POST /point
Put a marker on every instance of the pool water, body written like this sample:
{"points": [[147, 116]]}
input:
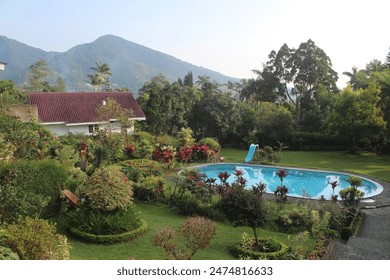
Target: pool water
{"points": [[300, 182]]}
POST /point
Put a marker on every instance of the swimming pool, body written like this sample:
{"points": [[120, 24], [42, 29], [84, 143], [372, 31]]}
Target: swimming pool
{"points": [[300, 182]]}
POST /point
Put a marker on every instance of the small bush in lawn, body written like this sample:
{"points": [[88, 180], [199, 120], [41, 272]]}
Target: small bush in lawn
{"points": [[196, 232], [35, 239]]}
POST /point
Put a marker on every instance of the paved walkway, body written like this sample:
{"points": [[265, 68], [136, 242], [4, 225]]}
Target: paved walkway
{"points": [[373, 240]]}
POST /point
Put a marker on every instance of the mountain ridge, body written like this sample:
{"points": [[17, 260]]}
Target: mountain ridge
{"points": [[131, 64]]}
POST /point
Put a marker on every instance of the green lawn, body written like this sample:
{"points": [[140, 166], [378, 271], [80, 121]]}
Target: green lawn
{"points": [[364, 163], [159, 216]]}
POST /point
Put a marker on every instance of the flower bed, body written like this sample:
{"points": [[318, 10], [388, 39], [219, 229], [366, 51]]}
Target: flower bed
{"points": [[275, 251]]}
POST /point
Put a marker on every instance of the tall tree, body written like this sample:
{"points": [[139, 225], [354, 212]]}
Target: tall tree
{"points": [[356, 117], [101, 77], [36, 77]]}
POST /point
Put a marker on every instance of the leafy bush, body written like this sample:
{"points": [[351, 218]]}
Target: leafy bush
{"points": [[35, 239], [36, 183], [30, 140], [352, 195], [190, 206], [267, 154], [107, 190], [7, 254], [294, 220], [150, 189], [240, 252], [211, 143], [104, 223]]}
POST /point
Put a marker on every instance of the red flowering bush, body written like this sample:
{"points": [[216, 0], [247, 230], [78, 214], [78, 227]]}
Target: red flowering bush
{"points": [[184, 155], [165, 154], [129, 151]]}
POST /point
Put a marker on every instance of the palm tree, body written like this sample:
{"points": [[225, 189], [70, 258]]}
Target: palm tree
{"points": [[100, 78]]}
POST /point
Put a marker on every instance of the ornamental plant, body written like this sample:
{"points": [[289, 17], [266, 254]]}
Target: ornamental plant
{"points": [[352, 195], [107, 190], [281, 191], [35, 239], [129, 151], [196, 234], [165, 154]]}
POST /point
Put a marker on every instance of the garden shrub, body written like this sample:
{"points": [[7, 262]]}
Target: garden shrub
{"points": [[273, 250], [294, 220], [35, 239], [75, 179], [196, 233], [167, 140], [150, 189], [36, 183], [98, 222], [190, 206], [267, 155], [30, 140], [352, 195], [7, 254], [211, 143], [107, 190]]}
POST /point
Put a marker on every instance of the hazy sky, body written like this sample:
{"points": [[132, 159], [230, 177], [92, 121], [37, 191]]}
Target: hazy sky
{"points": [[231, 37]]}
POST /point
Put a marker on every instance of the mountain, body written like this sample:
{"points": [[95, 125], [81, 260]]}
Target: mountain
{"points": [[131, 64]]}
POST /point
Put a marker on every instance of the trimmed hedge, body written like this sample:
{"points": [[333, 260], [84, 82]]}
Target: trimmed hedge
{"points": [[238, 251], [110, 238]]}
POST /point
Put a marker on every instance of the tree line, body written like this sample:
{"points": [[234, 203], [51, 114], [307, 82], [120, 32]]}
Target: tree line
{"points": [[293, 99]]}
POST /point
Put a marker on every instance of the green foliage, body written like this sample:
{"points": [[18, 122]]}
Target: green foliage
{"points": [[272, 250], [357, 118], [243, 208], [35, 239], [8, 94], [111, 238], [294, 220], [107, 190], [189, 206], [100, 78], [185, 137], [31, 188], [211, 143], [29, 140], [104, 223], [267, 155], [150, 189], [7, 254]]}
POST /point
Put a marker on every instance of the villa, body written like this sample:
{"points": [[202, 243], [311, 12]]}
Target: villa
{"points": [[75, 112]]}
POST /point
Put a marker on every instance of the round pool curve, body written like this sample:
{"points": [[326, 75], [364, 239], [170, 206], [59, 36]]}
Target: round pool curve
{"points": [[305, 183]]}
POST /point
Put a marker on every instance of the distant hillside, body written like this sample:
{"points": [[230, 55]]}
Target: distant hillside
{"points": [[131, 64]]}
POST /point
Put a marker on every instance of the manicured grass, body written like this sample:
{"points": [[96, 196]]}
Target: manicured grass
{"points": [[365, 163], [159, 216]]}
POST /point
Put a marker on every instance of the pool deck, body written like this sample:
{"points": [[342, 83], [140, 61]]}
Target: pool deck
{"points": [[373, 239]]}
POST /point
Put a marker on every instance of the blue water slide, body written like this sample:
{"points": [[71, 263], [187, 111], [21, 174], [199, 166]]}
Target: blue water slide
{"points": [[251, 152]]}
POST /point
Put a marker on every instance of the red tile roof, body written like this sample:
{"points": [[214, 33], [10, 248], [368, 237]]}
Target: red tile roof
{"points": [[79, 107]]}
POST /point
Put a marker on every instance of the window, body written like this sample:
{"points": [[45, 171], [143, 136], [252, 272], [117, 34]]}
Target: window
{"points": [[93, 128]]}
